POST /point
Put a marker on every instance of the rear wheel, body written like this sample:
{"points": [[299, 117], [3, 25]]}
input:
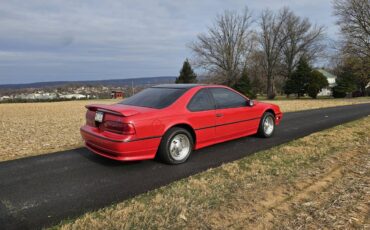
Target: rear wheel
{"points": [[176, 146], [267, 125]]}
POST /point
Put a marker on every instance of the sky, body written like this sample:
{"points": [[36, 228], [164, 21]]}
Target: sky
{"points": [[52, 40]]}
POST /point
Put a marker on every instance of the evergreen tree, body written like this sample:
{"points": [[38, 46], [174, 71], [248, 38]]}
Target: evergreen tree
{"points": [[187, 74], [345, 84], [298, 80], [289, 87], [359, 70], [316, 82], [243, 85]]}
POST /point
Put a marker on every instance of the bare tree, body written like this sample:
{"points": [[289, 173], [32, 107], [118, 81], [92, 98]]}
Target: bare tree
{"points": [[354, 21], [353, 17], [302, 39], [223, 50], [256, 71], [271, 40]]}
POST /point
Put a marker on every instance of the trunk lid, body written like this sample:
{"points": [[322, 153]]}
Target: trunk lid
{"points": [[112, 118]]}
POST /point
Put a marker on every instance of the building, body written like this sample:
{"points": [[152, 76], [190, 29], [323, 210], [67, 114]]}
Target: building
{"points": [[4, 98], [37, 96], [331, 80], [73, 96], [116, 94]]}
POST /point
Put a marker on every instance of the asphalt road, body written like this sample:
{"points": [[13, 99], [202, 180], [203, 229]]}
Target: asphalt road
{"points": [[41, 191]]}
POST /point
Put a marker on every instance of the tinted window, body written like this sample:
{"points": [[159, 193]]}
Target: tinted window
{"points": [[225, 98], [154, 97], [201, 102]]}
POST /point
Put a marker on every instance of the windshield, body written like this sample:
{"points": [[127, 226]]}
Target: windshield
{"points": [[157, 98]]}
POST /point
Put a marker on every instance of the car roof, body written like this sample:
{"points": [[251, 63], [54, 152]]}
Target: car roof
{"points": [[178, 86]]}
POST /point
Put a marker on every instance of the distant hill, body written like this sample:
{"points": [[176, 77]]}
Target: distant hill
{"points": [[111, 82]]}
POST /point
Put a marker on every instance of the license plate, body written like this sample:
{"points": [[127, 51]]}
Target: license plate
{"points": [[99, 116]]}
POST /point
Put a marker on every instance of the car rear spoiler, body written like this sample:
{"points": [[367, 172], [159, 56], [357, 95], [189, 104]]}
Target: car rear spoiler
{"points": [[112, 109]]}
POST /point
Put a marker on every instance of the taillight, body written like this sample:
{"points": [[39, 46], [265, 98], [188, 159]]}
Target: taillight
{"points": [[90, 118], [119, 127]]}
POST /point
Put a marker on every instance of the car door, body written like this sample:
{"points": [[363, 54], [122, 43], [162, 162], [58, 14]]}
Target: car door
{"points": [[202, 117], [234, 118]]}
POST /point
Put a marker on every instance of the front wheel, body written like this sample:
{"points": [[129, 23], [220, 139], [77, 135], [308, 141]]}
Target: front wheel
{"points": [[176, 146], [267, 125]]}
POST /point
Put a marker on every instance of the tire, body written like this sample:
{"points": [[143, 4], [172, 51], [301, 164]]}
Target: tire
{"points": [[267, 130], [181, 142]]}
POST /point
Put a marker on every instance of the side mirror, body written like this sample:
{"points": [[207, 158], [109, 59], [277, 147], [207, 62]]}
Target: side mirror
{"points": [[250, 103]]}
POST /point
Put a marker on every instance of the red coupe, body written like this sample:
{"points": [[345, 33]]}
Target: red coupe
{"points": [[173, 120]]}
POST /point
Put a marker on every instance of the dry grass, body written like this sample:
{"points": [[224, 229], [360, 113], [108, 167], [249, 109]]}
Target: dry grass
{"points": [[38, 128], [319, 181]]}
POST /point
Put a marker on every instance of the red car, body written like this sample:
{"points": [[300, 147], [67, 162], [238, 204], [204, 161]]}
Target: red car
{"points": [[173, 120]]}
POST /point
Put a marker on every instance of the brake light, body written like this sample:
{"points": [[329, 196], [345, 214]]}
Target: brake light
{"points": [[90, 118], [119, 127]]}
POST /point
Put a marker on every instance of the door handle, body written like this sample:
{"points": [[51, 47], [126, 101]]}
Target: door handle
{"points": [[219, 115]]}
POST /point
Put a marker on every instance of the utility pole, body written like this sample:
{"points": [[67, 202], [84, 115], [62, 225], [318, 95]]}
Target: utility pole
{"points": [[132, 87]]}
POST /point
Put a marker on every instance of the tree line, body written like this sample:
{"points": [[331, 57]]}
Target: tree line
{"points": [[273, 53]]}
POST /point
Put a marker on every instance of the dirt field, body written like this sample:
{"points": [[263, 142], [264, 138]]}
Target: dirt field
{"points": [[321, 181], [38, 128]]}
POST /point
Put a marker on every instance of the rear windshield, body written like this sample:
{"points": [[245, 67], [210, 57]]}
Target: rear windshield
{"points": [[157, 98]]}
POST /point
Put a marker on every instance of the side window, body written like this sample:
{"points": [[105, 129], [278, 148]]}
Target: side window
{"points": [[225, 98], [201, 101]]}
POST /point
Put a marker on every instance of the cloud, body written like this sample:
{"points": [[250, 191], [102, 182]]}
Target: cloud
{"points": [[43, 40]]}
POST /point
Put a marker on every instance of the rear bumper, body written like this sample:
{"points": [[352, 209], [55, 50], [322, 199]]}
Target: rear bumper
{"points": [[119, 149]]}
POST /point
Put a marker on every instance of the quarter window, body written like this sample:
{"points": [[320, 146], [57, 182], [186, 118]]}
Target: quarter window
{"points": [[225, 98], [201, 101]]}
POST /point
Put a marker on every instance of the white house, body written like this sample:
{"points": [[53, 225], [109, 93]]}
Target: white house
{"points": [[331, 80]]}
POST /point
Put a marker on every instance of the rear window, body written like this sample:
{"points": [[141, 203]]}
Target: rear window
{"points": [[157, 98]]}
